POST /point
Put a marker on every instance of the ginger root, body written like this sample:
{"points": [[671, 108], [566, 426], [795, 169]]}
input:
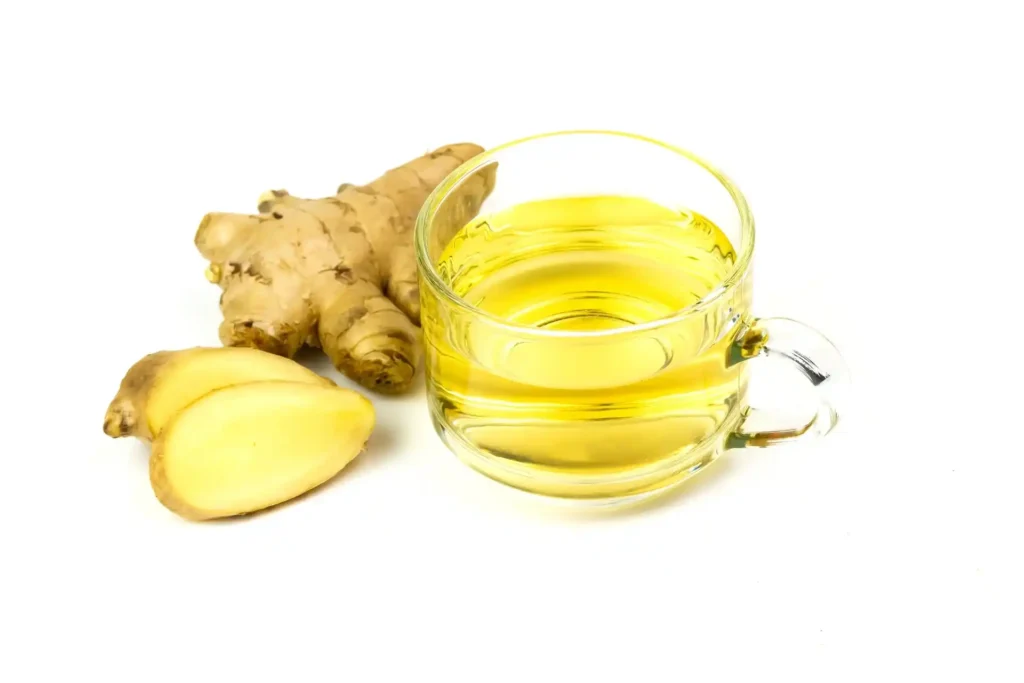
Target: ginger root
{"points": [[157, 387], [339, 272], [251, 446]]}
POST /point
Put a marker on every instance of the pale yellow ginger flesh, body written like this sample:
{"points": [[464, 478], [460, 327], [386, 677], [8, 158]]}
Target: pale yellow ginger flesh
{"points": [[251, 446], [338, 273], [157, 387]]}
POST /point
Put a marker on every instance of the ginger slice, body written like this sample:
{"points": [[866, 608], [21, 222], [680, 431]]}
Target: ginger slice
{"points": [[251, 446], [157, 387]]}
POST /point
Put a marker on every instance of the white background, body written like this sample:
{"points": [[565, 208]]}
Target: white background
{"points": [[880, 147]]}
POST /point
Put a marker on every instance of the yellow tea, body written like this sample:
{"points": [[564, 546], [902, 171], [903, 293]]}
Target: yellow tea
{"points": [[534, 389]]}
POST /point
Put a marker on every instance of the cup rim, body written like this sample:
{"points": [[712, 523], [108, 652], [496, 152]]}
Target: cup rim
{"points": [[429, 272]]}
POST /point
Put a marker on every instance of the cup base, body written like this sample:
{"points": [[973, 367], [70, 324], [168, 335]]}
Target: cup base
{"points": [[575, 490]]}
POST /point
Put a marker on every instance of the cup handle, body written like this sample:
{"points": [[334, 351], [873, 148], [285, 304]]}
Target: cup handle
{"points": [[817, 359]]}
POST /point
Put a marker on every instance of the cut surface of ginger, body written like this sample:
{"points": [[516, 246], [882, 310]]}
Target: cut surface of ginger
{"points": [[247, 447], [206, 370]]}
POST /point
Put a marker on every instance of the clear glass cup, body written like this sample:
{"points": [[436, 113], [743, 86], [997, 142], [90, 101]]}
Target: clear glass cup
{"points": [[616, 413]]}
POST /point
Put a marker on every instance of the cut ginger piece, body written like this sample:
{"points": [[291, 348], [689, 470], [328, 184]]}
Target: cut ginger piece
{"points": [[157, 387], [251, 446]]}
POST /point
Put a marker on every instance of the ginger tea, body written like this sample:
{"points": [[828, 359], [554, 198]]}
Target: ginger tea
{"points": [[572, 377]]}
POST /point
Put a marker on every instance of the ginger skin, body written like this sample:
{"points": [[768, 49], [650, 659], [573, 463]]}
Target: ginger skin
{"points": [[339, 272]]}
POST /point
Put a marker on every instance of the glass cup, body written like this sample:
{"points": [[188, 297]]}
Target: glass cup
{"points": [[602, 412]]}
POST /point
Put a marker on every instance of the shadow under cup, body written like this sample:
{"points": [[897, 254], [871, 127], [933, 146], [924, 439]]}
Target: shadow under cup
{"points": [[595, 412]]}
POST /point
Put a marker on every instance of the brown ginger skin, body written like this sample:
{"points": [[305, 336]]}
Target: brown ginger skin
{"points": [[338, 272], [126, 414]]}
